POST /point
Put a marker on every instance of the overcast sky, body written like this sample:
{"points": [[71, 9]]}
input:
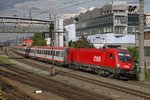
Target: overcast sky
{"points": [[40, 9]]}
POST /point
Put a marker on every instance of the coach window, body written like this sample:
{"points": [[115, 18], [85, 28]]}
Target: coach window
{"points": [[51, 52], [62, 54], [111, 56], [46, 52], [54, 53], [58, 53]]}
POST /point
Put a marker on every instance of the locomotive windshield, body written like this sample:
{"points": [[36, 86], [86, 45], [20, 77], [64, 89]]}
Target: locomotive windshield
{"points": [[124, 57]]}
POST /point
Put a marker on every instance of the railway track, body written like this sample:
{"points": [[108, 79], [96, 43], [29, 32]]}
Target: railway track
{"points": [[134, 92], [13, 93], [49, 84]]}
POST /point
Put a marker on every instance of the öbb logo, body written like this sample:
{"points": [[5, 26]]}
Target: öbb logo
{"points": [[97, 58]]}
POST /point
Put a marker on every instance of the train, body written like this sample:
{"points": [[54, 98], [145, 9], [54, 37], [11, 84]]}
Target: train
{"points": [[108, 62]]}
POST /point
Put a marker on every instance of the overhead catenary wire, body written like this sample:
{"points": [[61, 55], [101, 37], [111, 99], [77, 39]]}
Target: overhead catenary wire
{"points": [[59, 5], [67, 7], [77, 4], [70, 6]]}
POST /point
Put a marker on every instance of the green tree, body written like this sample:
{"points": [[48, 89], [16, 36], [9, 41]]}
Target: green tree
{"points": [[83, 42], [135, 54], [38, 40]]}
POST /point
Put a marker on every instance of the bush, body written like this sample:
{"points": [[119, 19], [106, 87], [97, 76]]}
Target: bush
{"points": [[83, 42], [135, 56]]}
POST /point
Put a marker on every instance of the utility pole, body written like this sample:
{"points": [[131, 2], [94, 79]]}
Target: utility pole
{"points": [[51, 31], [141, 41]]}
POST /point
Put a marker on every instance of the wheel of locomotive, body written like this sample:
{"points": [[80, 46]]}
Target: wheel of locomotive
{"points": [[76, 67], [106, 73], [70, 66], [94, 70]]}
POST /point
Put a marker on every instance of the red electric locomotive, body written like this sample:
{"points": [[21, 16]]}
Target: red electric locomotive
{"points": [[110, 61]]}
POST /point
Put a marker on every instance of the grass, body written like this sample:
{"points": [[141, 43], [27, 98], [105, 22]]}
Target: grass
{"points": [[1, 96], [4, 59], [147, 77]]}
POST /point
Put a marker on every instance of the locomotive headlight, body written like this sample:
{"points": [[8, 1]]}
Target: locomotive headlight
{"points": [[126, 66], [118, 65]]}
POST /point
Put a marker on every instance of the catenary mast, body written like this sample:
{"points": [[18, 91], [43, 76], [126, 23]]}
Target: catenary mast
{"points": [[141, 41]]}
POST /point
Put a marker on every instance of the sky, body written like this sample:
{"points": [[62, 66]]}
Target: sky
{"points": [[41, 9]]}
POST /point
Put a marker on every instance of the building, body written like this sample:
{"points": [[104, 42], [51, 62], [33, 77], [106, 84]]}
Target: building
{"points": [[27, 42], [117, 18], [146, 40], [71, 32]]}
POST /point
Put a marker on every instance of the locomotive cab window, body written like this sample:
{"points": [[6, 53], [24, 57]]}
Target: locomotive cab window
{"points": [[124, 57], [111, 56]]}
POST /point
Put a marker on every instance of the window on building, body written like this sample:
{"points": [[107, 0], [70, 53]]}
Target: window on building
{"points": [[147, 35]]}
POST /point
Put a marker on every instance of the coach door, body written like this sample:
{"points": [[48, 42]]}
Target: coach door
{"points": [[27, 52]]}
